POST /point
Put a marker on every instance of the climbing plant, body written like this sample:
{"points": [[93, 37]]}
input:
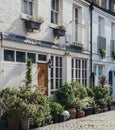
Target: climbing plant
{"points": [[102, 53], [28, 76]]}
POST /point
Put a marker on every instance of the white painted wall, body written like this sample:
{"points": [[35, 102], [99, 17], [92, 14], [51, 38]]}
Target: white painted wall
{"points": [[11, 22], [108, 62]]}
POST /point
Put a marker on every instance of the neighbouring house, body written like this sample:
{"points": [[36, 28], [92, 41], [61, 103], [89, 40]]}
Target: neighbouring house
{"points": [[29, 29], [103, 39]]}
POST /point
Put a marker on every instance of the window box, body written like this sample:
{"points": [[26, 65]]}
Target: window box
{"points": [[59, 32], [32, 25]]}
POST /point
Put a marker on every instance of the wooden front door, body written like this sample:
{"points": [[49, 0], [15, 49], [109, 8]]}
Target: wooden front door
{"points": [[43, 76]]}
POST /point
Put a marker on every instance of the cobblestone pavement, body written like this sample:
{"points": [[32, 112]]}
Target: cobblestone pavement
{"points": [[102, 121]]}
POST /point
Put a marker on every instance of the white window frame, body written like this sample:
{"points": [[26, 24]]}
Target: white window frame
{"points": [[101, 26], [78, 71], [55, 11], [53, 68], [28, 7]]}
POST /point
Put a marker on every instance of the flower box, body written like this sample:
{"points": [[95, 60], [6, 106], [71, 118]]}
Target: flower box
{"points": [[32, 25], [59, 32]]}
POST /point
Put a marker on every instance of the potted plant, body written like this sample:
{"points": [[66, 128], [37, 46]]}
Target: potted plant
{"points": [[113, 55], [11, 103], [102, 53], [34, 22], [56, 111], [80, 113], [59, 30]]}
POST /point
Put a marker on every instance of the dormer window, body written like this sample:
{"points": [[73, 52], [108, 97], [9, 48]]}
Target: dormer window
{"points": [[27, 7]]}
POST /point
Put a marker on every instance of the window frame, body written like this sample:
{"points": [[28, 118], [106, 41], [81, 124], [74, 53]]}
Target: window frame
{"points": [[56, 78], [78, 69], [10, 53], [28, 11], [55, 12]]}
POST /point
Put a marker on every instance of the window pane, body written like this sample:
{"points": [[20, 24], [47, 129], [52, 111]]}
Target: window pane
{"points": [[52, 17], [57, 61], [42, 57], [60, 61], [60, 73], [53, 4], [8, 55], [72, 63], [56, 18], [30, 8], [51, 72], [20, 56], [56, 72], [57, 5], [25, 7], [51, 83], [31, 56]]}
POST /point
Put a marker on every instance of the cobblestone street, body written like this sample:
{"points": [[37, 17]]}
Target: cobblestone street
{"points": [[102, 121]]}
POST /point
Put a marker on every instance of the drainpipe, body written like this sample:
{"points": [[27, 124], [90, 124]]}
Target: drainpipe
{"points": [[91, 74], [1, 38]]}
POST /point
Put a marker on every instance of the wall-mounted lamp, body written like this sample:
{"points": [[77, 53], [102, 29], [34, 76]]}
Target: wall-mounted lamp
{"points": [[50, 63]]}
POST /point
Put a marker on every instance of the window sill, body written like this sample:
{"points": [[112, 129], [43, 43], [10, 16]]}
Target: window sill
{"points": [[25, 16], [52, 25]]}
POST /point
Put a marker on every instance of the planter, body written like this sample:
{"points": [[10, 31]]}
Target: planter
{"points": [[13, 123], [72, 112], [89, 111], [80, 114], [105, 109], [25, 124], [58, 118], [3, 123], [59, 32], [32, 25], [109, 107]]}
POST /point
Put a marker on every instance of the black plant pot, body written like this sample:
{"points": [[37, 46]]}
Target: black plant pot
{"points": [[109, 107], [59, 32], [32, 25], [3, 123], [57, 118], [89, 111]]}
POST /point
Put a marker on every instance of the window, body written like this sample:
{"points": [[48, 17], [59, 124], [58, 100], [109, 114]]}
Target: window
{"points": [[98, 70], [54, 11], [42, 57], [76, 24], [31, 56], [20, 56], [113, 5], [101, 26], [56, 72], [27, 7], [79, 71], [8, 55]]}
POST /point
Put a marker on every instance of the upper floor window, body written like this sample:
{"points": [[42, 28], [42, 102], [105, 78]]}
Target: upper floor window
{"points": [[77, 24], [101, 26], [27, 7], [113, 5], [54, 11]]}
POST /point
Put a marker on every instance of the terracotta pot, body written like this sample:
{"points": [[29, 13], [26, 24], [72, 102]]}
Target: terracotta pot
{"points": [[13, 123], [80, 114], [72, 112], [105, 109], [76, 105]]}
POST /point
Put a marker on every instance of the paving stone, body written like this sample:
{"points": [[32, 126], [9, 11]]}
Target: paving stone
{"points": [[102, 121]]}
